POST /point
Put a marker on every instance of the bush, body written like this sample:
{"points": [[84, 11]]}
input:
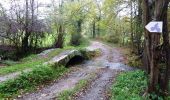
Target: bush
{"points": [[76, 39], [129, 86], [29, 80], [112, 38]]}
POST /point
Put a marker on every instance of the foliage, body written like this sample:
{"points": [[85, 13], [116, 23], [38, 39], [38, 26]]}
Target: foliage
{"points": [[25, 29], [129, 86], [134, 61], [67, 94], [29, 80]]}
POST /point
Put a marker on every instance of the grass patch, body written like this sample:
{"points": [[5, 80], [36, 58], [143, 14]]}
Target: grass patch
{"points": [[34, 60], [129, 86], [68, 94], [30, 80], [19, 67], [8, 62]]}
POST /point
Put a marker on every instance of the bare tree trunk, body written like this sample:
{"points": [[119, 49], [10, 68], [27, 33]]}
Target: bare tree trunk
{"points": [[94, 29], [131, 25], [60, 39], [98, 27], [76, 37], [146, 20], [26, 37], [154, 63], [166, 48]]}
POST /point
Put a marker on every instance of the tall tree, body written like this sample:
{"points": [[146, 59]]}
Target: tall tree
{"points": [[155, 10], [61, 28]]}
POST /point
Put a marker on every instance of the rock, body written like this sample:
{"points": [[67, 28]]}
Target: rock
{"points": [[19, 96], [43, 95], [46, 52]]}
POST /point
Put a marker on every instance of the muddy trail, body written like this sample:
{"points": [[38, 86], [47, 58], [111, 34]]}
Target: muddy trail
{"points": [[106, 67]]}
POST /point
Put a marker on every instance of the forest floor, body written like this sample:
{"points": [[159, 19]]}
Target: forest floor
{"points": [[103, 69]]}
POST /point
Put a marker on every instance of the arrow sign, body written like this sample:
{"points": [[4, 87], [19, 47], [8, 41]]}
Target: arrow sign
{"points": [[155, 27]]}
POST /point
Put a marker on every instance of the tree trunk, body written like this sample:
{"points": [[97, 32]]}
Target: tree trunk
{"points": [[157, 11], [60, 38], [94, 29], [166, 48], [147, 43], [76, 37], [154, 63], [131, 25], [25, 45], [98, 28]]}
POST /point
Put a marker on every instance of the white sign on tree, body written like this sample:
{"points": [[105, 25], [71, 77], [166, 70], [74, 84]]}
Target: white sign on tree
{"points": [[155, 27]]}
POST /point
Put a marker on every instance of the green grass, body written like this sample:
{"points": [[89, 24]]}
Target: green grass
{"points": [[8, 62], [30, 80], [33, 61], [19, 67], [129, 86], [68, 94]]}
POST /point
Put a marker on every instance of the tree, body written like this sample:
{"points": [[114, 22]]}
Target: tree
{"points": [[60, 38], [156, 10], [77, 16], [22, 26]]}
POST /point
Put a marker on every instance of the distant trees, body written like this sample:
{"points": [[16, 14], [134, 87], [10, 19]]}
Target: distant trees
{"points": [[77, 21], [21, 25]]}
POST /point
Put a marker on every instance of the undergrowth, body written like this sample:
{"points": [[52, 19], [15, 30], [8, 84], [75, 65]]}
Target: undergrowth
{"points": [[129, 86]]}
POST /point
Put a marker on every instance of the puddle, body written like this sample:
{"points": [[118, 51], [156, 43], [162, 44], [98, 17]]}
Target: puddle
{"points": [[119, 66], [111, 65]]}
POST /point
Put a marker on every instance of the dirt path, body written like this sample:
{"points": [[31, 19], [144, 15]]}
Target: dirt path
{"points": [[106, 66], [111, 63], [98, 89]]}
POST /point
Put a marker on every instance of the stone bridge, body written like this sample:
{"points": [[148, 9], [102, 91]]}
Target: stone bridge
{"points": [[70, 56]]}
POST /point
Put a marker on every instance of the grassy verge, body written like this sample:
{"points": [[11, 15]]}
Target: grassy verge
{"points": [[19, 67], [30, 80], [129, 86], [68, 94], [35, 60]]}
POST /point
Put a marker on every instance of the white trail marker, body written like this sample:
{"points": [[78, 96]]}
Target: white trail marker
{"points": [[155, 27]]}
